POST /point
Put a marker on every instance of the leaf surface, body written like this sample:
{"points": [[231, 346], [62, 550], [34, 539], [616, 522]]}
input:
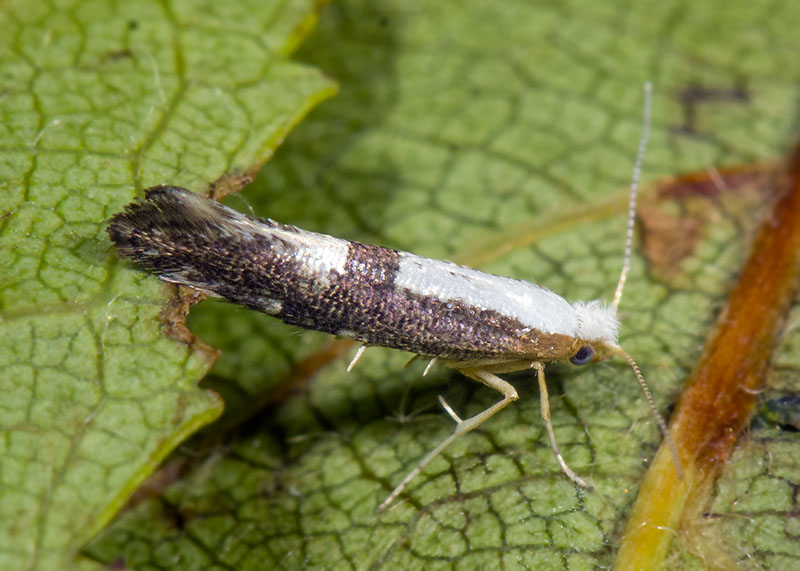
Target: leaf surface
{"points": [[99, 100], [499, 135]]}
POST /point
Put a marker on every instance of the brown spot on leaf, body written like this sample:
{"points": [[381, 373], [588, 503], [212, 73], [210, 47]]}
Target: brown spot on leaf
{"points": [[173, 320], [230, 183], [673, 223], [667, 238], [692, 97]]}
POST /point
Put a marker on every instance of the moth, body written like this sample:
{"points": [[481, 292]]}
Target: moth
{"points": [[480, 324]]}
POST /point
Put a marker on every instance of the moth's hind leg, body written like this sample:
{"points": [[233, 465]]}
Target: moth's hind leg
{"points": [[462, 425]]}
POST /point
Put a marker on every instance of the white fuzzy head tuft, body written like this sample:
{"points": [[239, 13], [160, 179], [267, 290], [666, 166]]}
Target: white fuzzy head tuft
{"points": [[597, 322]]}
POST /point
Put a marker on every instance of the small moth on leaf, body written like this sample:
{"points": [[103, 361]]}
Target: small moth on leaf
{"points": [[480, 324]]}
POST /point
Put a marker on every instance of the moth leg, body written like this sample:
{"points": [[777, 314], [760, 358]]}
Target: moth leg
{"points": [[462, 426], [357, 357], [428, 367], [545, 406], [431, 363], [449, 410]]}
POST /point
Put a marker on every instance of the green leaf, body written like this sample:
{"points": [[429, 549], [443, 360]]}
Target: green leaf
{"points": [[499, 134], [99, 100]]}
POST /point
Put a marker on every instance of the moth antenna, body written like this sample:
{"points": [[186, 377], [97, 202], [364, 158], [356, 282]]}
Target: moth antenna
{"points": [[659, 419], [637, 170]]}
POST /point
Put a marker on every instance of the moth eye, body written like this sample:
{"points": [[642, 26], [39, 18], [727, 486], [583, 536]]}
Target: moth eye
{"points": [[583, 356]]}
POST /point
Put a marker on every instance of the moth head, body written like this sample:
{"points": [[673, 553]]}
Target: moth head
{"points": [[584, 355], [597, 327], [597, 331]]}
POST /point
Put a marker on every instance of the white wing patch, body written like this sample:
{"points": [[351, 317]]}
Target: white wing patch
{"points": [[316, 255], [532, 305]]}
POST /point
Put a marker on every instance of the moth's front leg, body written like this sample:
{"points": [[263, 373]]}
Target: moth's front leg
{"points": [[545, 409]]}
